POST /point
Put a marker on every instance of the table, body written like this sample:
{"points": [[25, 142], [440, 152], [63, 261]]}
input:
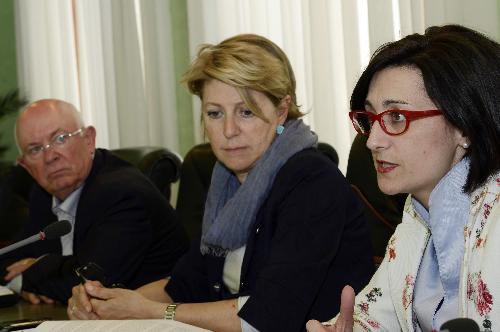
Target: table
{"points": [[23, 310]]}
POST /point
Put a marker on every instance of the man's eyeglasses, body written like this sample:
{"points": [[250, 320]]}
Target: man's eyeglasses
{"points": [[392, 122], [57, 142]]}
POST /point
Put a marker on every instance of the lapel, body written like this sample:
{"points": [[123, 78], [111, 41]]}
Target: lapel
{"points": [[40, 216], [246, 259], [258, 229], [215, 272], [85, 213], [408, 244]]}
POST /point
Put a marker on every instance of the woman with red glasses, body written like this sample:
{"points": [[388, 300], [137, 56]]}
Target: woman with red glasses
{"points": [[430, 106]]}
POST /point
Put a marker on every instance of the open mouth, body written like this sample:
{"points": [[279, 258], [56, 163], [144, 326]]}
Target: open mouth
{"points": [[385, 166]]}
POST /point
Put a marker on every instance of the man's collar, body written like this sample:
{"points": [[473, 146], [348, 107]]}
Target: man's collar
{"points": [[70, 203]]}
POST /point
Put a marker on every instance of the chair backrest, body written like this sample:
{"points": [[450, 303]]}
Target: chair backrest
{"points": [[196, 173], [160, 165], [329, 151], [384, 212]]}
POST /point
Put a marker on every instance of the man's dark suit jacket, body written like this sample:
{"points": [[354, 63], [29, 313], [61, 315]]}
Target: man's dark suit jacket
{"points": [[309, 240], [123, 224]]}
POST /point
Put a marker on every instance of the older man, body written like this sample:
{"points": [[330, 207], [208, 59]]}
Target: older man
{"points": [[122, 225]]}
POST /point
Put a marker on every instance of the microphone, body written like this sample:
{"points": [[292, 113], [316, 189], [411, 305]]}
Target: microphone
{"points": [[50, 232], [460, 325]]}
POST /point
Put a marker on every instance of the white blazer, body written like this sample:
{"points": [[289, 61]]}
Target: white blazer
{"points": [[386, 303]]}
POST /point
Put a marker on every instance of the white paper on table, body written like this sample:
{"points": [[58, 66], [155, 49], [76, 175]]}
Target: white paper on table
{"points": [[5, 291], [143, 325]]}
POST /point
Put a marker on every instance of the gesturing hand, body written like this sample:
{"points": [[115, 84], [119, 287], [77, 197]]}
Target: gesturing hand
{"points": [[345, 321]]}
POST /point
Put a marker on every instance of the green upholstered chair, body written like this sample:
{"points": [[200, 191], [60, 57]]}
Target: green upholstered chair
{"points": [[160, 165]]}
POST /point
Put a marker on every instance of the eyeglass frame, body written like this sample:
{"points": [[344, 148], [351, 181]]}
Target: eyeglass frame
{"points": [[53, 142], [409, 117]]}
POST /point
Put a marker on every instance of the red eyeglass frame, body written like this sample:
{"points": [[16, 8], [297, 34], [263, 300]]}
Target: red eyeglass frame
{"points": [[409, 116]]}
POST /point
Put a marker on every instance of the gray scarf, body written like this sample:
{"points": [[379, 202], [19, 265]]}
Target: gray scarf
{"points": [[231, 208]]}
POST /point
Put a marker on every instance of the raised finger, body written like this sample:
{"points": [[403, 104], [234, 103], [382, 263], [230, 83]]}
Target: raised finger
{"points": [[345, 319]]}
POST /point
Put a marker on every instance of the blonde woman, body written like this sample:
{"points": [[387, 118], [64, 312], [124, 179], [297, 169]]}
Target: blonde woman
{"points": [[282, 231]]}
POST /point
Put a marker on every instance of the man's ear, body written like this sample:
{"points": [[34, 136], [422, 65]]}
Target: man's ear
{"points": [[90, 134], [21, 162]]}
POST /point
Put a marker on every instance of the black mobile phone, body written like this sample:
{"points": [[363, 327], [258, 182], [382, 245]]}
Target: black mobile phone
{"points": [[92, 271], [21, 324]]}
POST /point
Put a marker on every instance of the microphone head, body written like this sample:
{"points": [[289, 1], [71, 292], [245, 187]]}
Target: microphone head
{"points": [[57, 229], [460, 325]]}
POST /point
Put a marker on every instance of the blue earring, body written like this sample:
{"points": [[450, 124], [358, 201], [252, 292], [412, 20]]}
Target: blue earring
{"points": [[280, 129]]}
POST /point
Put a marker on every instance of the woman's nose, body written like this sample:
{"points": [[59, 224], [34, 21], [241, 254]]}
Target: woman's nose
{"points": [[230, 127], [377, 139]]}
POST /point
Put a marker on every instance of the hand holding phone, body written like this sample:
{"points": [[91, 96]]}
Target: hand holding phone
{"points": [[92, 271]]}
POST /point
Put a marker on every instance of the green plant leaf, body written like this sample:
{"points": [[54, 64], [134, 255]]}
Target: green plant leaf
{"points": [[11, 102]]}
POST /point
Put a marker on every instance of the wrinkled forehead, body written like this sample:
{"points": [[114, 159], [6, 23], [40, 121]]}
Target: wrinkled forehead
{"points": [[39, 122]]}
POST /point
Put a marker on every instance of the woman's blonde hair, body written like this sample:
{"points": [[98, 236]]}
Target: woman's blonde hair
{"points": [[246, 62]]}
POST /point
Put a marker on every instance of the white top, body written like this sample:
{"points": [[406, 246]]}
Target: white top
{"points": [[231, 276]]}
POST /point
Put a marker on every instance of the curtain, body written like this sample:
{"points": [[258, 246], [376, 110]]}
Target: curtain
{"points": [[119, 61], [329, 42], [113, 59]]}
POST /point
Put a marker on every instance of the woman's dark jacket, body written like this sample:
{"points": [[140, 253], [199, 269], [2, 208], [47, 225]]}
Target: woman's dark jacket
{"points": [[310, 239]]}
